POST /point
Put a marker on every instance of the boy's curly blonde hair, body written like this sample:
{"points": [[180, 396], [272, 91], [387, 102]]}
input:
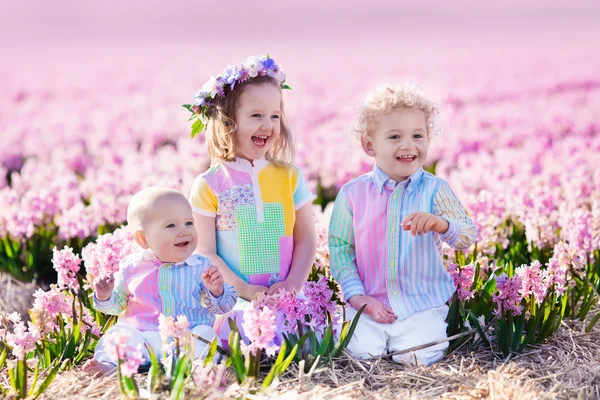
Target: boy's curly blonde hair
{"points": [[221, 127], [390, 97]]}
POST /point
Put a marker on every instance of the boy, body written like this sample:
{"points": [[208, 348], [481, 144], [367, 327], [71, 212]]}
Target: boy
{"points": [[387, 228], [164, 278]]}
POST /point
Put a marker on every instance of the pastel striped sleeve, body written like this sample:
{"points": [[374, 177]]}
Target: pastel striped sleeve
{"points": [[342, 253], [117, 302], [219, 305], [462, 231], [202, 198], [302, 194]]}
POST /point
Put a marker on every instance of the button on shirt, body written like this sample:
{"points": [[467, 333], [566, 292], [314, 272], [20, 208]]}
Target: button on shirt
{"points": [[372, 255], [145, 287]]}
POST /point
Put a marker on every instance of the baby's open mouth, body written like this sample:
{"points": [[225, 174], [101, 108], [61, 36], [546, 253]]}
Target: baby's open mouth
{"points": [[260, 140], [182, 244]]}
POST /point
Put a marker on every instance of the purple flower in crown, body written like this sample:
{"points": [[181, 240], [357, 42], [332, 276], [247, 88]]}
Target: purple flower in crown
{"points": [[230, 75], [268, 63], [251, 68]]}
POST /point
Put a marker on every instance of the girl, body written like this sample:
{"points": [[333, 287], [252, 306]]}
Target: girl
{"points": [[252, 208]]}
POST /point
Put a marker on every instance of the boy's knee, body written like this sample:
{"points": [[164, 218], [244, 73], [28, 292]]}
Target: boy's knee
{"points": [[364, 348]]}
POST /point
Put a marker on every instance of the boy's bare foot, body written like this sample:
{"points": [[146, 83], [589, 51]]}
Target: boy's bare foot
{"points": [[95, 367]]}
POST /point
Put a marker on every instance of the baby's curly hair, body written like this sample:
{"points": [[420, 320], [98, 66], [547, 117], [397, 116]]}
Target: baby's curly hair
{"points": [[390, 97]]}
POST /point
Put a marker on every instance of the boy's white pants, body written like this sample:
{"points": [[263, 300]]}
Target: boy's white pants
{"points": [[372, 339], [152, 338]]}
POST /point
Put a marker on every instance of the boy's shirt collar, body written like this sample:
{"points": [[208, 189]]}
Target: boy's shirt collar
{"points": [[381, 179], [148, 255]]}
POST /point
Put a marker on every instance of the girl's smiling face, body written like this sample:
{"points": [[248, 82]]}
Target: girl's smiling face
{"points": [[258, 120]]}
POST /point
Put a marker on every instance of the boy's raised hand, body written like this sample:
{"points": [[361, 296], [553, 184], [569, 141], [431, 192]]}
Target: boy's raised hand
{"points": [[422, 222], [103, 287], [376, 309], [213, 280]]}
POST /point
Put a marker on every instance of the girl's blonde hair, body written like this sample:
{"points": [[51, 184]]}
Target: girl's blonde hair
{"points": [[390, 97], [221, 127]]}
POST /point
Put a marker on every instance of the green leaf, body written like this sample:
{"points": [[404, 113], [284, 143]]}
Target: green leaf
{"points": [[3, 357], [197, 127], [327, 337], [280, 357], [347, 333], [211, 352], [475, 323], [237, 359], [313, 344], [22, 377], [82, 352], [155, 372], [518, 333], [502, 335], [286, 86], [49, 378], [232, 325], [35, 378], [182, 371], [188, 107], [593, 322]]}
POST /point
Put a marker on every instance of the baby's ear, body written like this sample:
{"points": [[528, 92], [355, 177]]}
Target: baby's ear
{"points": [[140, 239], [367, 145]]}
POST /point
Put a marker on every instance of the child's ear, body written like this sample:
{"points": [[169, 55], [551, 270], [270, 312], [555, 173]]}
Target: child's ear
{"points": [[140, 239], [367, 145]]}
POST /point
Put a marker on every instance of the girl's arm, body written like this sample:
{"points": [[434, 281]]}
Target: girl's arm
{"points": [[207, 246], [305, 250]]}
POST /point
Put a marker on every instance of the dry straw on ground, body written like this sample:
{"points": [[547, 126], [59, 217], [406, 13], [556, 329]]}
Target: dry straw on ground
{"points": [[565, 367]]}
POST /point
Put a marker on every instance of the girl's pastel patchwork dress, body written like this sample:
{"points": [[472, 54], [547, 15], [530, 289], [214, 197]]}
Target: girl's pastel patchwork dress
{"points": [[255, 210]]}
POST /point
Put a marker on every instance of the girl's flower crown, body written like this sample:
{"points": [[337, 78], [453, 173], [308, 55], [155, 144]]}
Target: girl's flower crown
{"points": [[221, 85]]}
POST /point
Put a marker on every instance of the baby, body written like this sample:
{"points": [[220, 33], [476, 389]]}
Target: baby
{"points": [[165, 277]]}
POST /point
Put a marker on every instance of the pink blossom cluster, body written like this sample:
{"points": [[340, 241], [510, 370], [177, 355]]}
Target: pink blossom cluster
{"points": [[118, 347], [67, 264], [534, 281], [102, 257], [174, 332], [208, 378], [310, 307], [260, 326], [22, 339], [463, 279], [56, 303], [76, 148], [508, 296]]}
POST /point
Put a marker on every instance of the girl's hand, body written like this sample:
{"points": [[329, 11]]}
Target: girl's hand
{"points": [[423, 222], [253, 290], [103, 287], [213, 280], [374, 308], [287, 285]]}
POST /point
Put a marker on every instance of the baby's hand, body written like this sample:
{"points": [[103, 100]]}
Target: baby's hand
{"points": [[213, 280], [374, 308], [423, 222], [103, 287]]}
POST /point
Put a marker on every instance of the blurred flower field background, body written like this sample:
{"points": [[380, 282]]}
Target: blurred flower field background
{"points": [[90, 113]]}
